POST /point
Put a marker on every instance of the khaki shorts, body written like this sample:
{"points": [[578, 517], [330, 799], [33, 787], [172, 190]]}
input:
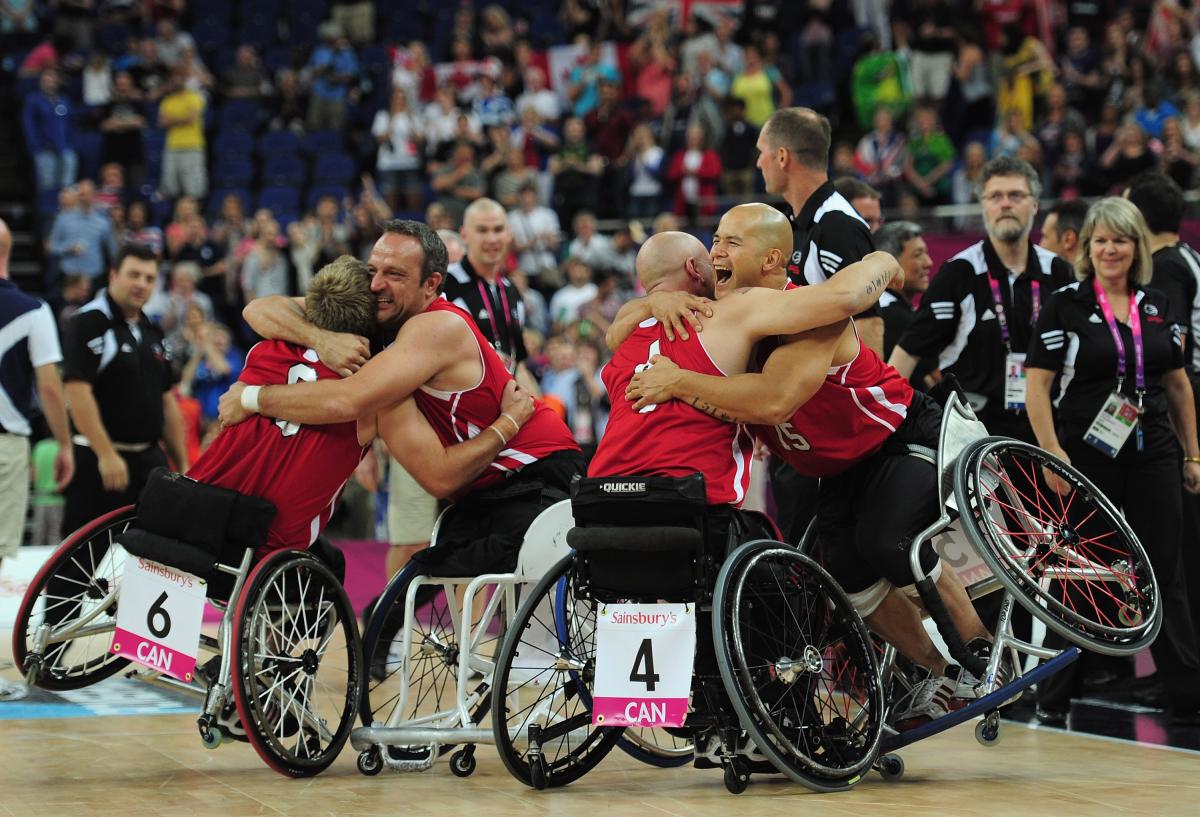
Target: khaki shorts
{"points": [[411, 511], [14, 491]]}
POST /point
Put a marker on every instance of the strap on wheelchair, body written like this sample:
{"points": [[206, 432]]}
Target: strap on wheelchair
{"points": [[650, 539], [953, 638]]}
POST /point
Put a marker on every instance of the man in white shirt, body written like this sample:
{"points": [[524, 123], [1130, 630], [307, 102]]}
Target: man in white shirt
{"points": [[536, 234], [564, 306]]}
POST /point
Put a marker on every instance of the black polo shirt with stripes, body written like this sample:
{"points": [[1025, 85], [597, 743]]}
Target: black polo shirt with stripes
{"points": [[1177, 276], [956, 321]]}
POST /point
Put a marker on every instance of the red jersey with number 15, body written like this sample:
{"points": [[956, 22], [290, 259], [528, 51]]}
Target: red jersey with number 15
{"points": [[672, 439], [300, 468], [461, 415], [858, 407]]}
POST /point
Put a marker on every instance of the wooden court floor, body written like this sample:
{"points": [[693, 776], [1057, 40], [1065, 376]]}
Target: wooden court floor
{"points": [[154, 766]]}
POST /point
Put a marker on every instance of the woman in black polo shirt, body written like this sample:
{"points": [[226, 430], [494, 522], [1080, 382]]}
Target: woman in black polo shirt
{"points": [[1122, 385]]}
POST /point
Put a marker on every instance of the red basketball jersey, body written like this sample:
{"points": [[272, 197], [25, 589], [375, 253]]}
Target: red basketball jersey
{"points": [[860, 405], [672, 439], [458, 416], [300, 468]]}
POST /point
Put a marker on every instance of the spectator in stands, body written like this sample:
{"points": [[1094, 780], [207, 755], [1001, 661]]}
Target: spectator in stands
{"points": [[97, 80], [73, 22], [877, 79], [933, 27], [17, 18], [864, 198], [82, 237], [289, 106], [601, 311], [327, 234], [122, 124], [971, 103], [112, 190], [738, 151], [1011, 136], [245, 79], [398, 133], [46, 121], [571, 378], [583, 85], [930, 158], [1054, 124], [491, 106], [1184, 80], [537, 313], [589, 245], [265, 270], [762, 88], [1126, 157], [1153, 111], [538, 141], [495, 154], [334, 69], [689, 108], [440, 118], [213, 367], [356, 18], [653, 67], [642, 162], [1178, 160], [578, 290], [576, 170], [695, 171], [459, 183], [184, 171], [139, 230], [514, 176], [965, 181], [181, 296], [1081, 75], [1026, 75], [1075, 171], [177, 233], [170, 43], [536, 234], [880, 156], [545, 101]]}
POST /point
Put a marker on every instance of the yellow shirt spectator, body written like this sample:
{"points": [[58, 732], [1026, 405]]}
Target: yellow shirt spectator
{"points": [[182, 114]]}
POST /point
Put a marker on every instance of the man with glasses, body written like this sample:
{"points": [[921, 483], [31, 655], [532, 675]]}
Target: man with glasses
{"points": [[977, 316]]}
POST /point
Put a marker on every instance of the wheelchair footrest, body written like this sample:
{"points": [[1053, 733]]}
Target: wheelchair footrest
{"points": [[987, 703]]}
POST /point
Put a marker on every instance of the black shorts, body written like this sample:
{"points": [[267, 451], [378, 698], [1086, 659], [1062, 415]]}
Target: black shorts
{"points": [[868, 516]]}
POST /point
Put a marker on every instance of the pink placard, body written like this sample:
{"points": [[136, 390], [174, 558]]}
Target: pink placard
{"points": [[155, 656], [644, 712]]}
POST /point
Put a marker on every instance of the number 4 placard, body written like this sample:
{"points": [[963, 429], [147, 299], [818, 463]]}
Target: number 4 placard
{"points": [[159, 617], [644, 657]]}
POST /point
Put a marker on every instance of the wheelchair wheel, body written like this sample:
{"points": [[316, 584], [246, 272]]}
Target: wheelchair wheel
{"points": [[75, 593], [798, 665], [430, 682], [297, 663], [1072, 561], [664, 748], [541, 701]]}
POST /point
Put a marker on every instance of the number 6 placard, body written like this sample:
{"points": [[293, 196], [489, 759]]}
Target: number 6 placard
{"points": [[644, 657], [158, 618]]}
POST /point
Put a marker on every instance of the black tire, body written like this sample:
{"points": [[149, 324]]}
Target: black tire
{"points": [[1117, 615], [555, 670], [77, 582], [296, 664], [798, 665], [433, 669], [664, 748]]}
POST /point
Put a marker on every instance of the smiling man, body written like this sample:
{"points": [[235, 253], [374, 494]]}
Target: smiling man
{"points": [[977, 316]]}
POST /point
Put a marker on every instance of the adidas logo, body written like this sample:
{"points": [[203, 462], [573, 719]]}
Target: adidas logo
{"points": [[988, 315], [1095, 318], [942, 310]]}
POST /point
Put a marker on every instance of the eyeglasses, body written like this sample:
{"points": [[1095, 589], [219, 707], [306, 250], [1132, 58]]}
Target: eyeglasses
{"points": [[1015, 196]]}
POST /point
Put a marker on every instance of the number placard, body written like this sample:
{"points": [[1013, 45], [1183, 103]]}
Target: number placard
{"points": [[159, 617], [644, 657]]}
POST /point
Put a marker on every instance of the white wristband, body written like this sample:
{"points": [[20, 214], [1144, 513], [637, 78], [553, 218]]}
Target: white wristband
{"points": [[250, 398]]}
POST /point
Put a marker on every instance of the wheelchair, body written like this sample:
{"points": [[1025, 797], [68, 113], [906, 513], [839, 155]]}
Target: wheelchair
{"points": [[786, 677], [286, 664], [431, 644], [1071, 561]]}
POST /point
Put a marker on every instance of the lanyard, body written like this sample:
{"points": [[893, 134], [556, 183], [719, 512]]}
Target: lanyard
{"points": [[487, 304], [998, 303], [1135, 328]]}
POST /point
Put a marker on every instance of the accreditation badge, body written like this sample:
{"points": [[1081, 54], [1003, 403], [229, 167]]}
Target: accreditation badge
{"points": [[1113, 425], [1014, 381]]}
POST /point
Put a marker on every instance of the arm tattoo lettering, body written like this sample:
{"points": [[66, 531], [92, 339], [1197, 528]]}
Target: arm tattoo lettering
{"points": [[879, 282], [712, 411]]}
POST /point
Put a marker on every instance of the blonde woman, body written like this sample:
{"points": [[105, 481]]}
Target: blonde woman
{"points": [[1111, 344]]}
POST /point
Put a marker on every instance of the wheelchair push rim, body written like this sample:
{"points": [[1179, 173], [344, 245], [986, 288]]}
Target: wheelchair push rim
{"points": [[810, 698], [539, 661], [296, 663], [1072, 561], [87, 599]]}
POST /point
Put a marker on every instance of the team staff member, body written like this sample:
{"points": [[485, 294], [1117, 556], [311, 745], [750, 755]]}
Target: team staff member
{"points": [[827, 235], [118, 385], [906, 242], [978, 313], [1060, 230], [1119, 354]]}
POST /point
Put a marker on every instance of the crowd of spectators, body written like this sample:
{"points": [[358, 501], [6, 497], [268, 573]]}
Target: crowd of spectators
{"points": [[574, 115]]}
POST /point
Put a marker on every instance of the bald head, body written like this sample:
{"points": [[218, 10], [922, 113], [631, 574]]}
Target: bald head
{"points": [[482, 207], [675, 261], [5, 248], [762, 224]]}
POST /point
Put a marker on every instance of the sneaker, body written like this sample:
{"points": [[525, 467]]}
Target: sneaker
{"points": [[969, 687], [928, 699], [10, 691]]}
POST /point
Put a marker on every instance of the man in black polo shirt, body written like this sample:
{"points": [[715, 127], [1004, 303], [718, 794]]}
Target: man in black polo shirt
{"points": [[978, 313], [118, 385], [905, 241], [827, 235]]}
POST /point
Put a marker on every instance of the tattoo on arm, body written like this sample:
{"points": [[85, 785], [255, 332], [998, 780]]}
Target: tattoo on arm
{"points": [[879, 282], [713, 411]]}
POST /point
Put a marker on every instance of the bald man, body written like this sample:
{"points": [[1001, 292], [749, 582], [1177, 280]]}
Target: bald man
{"points": [[827, 405], [676, 439]]}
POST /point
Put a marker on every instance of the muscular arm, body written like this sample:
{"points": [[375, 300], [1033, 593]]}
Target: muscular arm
{"points": [[54, 406], [173, 434], [792, 374], [281, 318]]}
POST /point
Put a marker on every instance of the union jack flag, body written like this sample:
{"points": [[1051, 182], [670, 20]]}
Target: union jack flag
{"points": [[711, 11]]}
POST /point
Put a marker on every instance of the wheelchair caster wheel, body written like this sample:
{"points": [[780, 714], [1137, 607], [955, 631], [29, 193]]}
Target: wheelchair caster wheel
{"points": [[370, 761], [736, 778], [33, 669], [537, 774], [891, 767], [987, 731], [462, 762], [211, 738]]}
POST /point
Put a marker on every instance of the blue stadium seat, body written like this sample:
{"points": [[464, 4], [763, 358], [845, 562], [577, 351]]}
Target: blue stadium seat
{"points": [[283, 171], [232, 172], [334, 168], [111, 37], [88, 146], [210, 34], [239, 114], [234, 144], [258, 32], [320, 191], [278, 143], [322, 141], [279, 57], [279, 200]]}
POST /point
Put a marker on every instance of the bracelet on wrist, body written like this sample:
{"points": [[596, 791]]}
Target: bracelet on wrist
{"points": [[250, 398], [499, 434], [1192, 459], [516, 426]]}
